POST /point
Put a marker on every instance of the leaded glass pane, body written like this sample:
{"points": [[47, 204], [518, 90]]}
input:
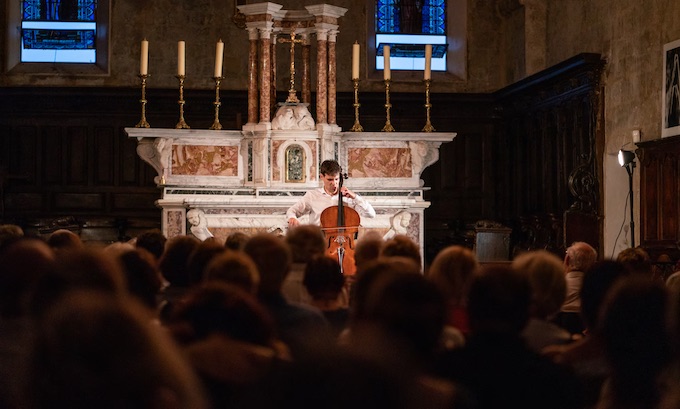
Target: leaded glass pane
{"points": [[59, 10], [58, 31], [387, 16], [434, 17]]}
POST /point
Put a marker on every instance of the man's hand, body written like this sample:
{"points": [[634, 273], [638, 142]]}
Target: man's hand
{"points": [[348, 193], [292, 222]]}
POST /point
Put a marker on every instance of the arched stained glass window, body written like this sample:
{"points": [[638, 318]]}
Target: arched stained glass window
{"points": [[407, 26], [59, 31]]}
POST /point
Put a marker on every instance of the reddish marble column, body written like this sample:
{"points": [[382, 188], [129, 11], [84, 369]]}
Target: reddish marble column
{"points": [[273, 74], [332, 71], [322, 76], [306, 75], [265, 75], [252, 77]]}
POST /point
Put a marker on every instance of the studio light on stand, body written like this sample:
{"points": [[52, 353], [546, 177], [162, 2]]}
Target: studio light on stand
{"points": [[627, 160]]}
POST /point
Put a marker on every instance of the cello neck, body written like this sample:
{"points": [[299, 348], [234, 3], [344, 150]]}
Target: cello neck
{"points": [[341, 212]]}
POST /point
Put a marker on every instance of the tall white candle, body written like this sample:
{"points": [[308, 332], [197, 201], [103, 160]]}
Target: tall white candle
{"points": [[181, 67], [428, 62], [355, 60], [386, 55], [219, 56], [144, 58]]}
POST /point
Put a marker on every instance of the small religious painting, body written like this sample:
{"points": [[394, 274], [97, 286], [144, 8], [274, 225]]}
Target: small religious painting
{"points": [[671, 90]]}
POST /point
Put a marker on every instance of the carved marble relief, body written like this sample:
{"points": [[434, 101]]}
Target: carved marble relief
{"points": [[173, 223], [204, 160], [379, 162]]}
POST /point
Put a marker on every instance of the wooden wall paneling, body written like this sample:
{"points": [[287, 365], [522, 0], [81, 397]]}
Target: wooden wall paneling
{"points": [[51, 155], [131, 168], [104, 156], [550, 151], [75, 158], [23, 163]]}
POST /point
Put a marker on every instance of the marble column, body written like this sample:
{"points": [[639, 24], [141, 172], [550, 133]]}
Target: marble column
{"points": [[306, 75], [265, 74], [273, 74], [322, 76], [252, 76], [332, 76]]}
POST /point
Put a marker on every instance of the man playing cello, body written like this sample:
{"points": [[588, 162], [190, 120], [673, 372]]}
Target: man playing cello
{"points": [[314, 202]]}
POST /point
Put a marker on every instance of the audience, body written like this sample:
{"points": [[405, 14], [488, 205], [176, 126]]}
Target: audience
{"points": [[236, 241], [495, 366], [235, 268], [142, 276], [545, 273], [24, 262], [9, 232], [367, 248], [324, 282], [174, 266], [636, 338], [305, 242], [64, 240], [93, 350], [401, 246], [300, 326], [578, 259], [79, 326], [152, 241], [586, 356], [452, 271], [229, 339]]}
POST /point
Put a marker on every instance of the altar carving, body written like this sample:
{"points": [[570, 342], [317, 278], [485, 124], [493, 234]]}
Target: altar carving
{"points": [[293, 117]]}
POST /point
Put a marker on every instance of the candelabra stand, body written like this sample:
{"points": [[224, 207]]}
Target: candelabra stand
{"points": [[181, 124], [388, 125], [357, 126], [428, 126], [142, 122], [216, 124]]}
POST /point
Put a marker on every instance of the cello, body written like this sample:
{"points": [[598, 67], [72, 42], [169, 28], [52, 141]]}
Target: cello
{"points": [[340, 225]]}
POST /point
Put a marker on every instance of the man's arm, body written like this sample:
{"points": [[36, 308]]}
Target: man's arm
{"points": [[362, 206], [298, 209]]}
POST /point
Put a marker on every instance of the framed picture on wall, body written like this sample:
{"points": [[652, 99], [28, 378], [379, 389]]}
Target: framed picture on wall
{"points": [[670, 115]]}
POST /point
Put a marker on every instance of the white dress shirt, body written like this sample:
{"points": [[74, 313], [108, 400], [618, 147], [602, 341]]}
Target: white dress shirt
{"points": [[314, 202]]}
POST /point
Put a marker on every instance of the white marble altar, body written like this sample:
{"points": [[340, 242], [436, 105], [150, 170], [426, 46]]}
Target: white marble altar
{"points": [[246, 180]]}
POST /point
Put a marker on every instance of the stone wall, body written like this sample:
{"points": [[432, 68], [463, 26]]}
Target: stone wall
{"points": [[630, 34], [202, 22]]}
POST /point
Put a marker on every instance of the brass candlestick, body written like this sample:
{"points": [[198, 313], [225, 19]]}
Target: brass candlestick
{"points": [[216, 124], [428, 126], [181, 124], [142, 122], [357, 126], [388, 125]]}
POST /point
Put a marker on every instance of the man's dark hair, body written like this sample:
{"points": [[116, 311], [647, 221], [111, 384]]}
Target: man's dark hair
{"points": [[330, 167]]}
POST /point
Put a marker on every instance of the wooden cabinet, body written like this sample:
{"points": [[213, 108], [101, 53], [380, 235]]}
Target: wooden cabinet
{"points": [[659, 196]]}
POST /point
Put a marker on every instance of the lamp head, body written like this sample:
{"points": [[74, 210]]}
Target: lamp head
{"points": [[626, 157]]}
